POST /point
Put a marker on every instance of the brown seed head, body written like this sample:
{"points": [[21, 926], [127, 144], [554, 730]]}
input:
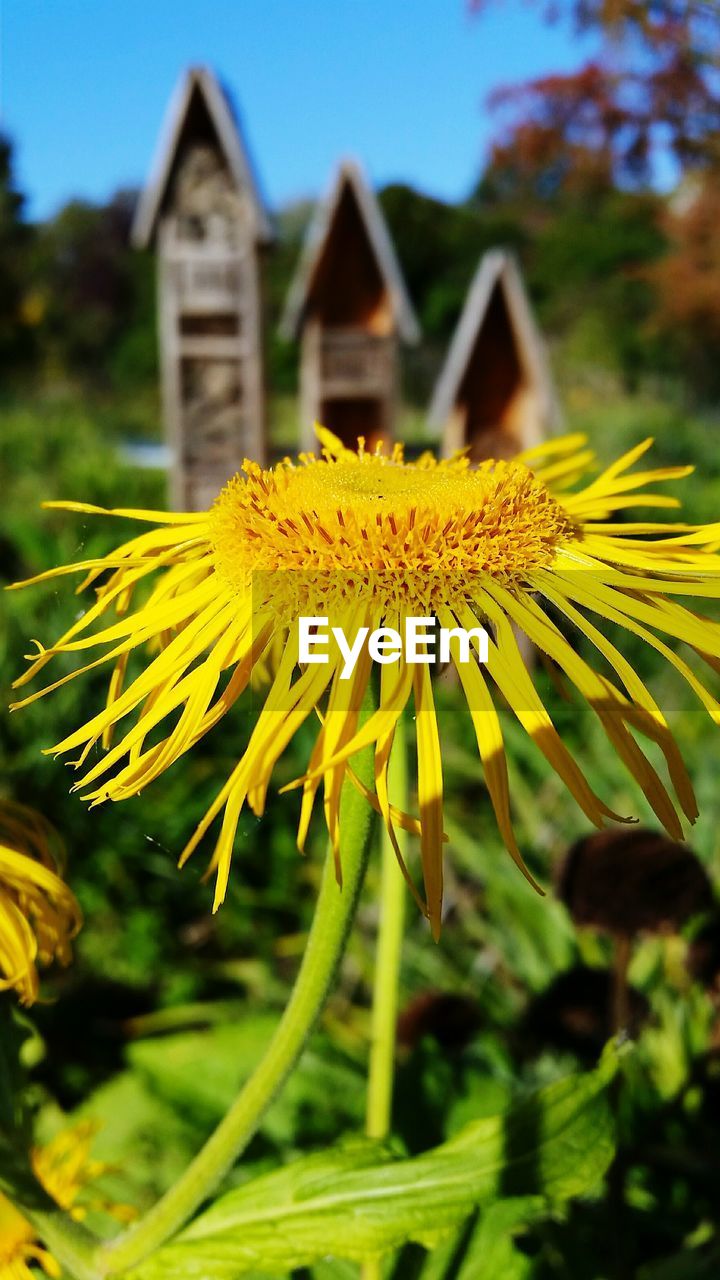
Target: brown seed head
{"points": [[630, 882]]}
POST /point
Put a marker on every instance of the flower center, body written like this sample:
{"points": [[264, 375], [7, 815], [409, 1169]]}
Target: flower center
{"points": [[376, 527]]}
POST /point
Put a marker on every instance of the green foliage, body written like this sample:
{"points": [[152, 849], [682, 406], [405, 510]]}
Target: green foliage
{"points": [[200, 1072], [96, 295], [15, 339], [585, 268], [359, 1200], [14, 1031], [440, 246], [279, 266], [584, 262]]}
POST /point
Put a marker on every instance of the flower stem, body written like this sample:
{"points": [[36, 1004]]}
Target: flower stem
{"points": [[393, 893], [622, 953], [617, 1176], [325, 947]]}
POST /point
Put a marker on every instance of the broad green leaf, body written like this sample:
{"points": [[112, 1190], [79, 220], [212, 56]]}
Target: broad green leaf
{"points": [[482, 1247], [145, 1143], [334, 1269], [361, 1200], [199, 1073], [492, 1252], [202, 1069]]}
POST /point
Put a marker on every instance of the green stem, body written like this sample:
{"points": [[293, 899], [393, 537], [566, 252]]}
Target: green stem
{"points": [[326, 943], [622, 954], [393, 897], [393, 894], [617, 1176]]}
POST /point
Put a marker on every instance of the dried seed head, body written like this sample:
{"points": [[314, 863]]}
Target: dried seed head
{"points": [[630, 882], [450, 1019], [574, 1014]]}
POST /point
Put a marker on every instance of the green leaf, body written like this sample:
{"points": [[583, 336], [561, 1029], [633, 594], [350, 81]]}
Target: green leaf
{"points": [[334, 1269], [199, 1073], [361, 1199], [492, 1252], [201, 1070], [145, 1143], [482, 1247]]}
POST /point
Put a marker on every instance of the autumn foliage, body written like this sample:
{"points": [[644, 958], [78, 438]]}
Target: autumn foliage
{"points": [[687, 279], [596, 137], [653, 85]]}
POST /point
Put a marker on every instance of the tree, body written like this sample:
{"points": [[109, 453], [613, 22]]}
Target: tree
{"points": [[439, 247], [15, 341], [686, 281], [97, 293], [655, 84], [637, 275]]}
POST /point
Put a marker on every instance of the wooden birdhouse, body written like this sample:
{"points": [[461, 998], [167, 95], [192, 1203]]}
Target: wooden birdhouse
{"points": [[202, 211], [495, 394], [349, 306]]}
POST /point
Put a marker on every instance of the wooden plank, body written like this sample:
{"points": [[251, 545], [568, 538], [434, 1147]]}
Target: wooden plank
{"points": [[214, 347]]}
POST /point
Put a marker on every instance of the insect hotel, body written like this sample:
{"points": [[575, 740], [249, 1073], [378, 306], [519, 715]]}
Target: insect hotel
{"points": [[495, 394], [349, 307], [203, 212]]}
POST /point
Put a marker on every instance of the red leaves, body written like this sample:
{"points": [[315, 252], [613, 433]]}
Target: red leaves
{"points": [[654, 85], [687, 278]]}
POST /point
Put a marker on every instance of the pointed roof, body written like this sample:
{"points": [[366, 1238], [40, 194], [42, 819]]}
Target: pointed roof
{"points": [[198, 87], [350, 176], [497, 269]]}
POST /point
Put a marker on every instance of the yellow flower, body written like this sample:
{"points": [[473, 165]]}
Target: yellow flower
{"points": [[19, 1248], [65, 1169], [39, 916], [370, 540]]}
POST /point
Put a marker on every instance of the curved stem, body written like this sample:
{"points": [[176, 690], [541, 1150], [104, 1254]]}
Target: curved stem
{"points": [[393, 893], [326, 943]]}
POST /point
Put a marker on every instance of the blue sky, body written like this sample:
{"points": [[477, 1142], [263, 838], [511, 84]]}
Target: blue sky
{"points": [[398, 83]]}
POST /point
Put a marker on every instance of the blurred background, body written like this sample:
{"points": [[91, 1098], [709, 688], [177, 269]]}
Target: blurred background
{"points": [[584, 138]]}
